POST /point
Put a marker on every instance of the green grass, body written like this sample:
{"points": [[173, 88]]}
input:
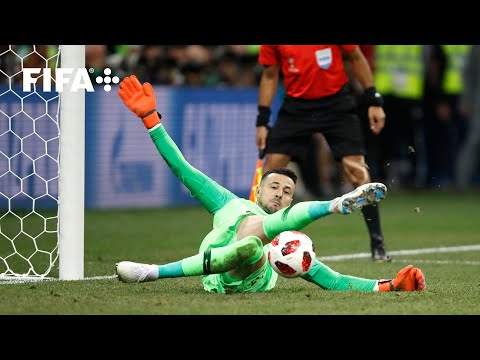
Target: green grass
{"points": [[165, 235]]}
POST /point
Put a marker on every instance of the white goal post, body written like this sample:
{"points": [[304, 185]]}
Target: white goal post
{"points": [[71, 170], [42, 165]]}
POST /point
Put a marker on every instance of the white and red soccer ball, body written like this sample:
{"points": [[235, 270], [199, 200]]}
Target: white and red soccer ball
{"points": [[291, 253]]}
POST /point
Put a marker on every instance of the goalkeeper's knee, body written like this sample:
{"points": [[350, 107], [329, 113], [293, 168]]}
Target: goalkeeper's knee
{"points": [[249, 250]]}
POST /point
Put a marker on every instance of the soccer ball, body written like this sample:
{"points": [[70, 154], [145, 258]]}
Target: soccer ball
{"points": [[291, 253]]}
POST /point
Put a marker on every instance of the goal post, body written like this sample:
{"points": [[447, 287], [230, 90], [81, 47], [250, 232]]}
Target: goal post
{"points": [[71, 187], [42, 162]]}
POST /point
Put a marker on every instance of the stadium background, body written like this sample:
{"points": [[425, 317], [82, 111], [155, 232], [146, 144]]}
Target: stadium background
{"points": [[206, 93], [432, 228], [120, 170], [123, 172]]}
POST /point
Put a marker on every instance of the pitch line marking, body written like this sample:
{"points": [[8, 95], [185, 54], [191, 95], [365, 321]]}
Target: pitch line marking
{"points": [[403, 252], [13, 280], [442, 262], [20, 280]]}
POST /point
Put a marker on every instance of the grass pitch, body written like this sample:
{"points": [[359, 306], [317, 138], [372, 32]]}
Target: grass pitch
{"points": [[436, 231]]}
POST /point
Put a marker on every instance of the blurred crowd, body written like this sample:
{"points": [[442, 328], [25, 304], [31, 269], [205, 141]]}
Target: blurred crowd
{"points": [[180, 65], [175, 65], [431, 137]]}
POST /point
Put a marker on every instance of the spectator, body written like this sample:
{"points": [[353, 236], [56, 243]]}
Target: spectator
{"points": [[123, 59], [399, 76], [468, 157], [95, 59], [444, 123], [155, 65], [228, 70], [9, 63], [195, 65]]}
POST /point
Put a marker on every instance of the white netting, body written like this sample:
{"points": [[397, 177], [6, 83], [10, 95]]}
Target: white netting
{"points": [[29, 153]]}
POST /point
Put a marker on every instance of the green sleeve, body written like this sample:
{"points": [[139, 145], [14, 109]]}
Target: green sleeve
{"points": [[212, 195]]}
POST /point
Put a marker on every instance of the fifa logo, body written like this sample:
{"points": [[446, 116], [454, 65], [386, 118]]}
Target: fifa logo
{"points": [[78, 78]]}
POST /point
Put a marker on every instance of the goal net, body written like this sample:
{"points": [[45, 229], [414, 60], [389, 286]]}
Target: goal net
{"points": [[41, 164]]}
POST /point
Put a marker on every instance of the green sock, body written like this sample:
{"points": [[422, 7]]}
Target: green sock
{"points": [[246, 251], [295, 217], [328, 279]]}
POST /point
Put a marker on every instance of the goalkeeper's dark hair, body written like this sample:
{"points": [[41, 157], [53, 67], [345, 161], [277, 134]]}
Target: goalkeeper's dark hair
{"points": [[282, 171]]}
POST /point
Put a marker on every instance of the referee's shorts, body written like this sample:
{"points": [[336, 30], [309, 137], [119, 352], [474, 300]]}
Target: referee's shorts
{"points": [[334, 116]]}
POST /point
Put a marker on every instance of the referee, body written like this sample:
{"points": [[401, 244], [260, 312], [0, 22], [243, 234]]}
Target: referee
{"points": [[318, 99]]}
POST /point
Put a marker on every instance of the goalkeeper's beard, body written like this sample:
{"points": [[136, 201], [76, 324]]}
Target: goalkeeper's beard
{"points": [[266, 208]]}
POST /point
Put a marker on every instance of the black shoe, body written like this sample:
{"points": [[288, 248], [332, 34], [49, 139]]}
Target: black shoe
{"points": [[380, 255]]}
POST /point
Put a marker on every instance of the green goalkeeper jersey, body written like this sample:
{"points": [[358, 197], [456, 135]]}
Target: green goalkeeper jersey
{"points": [[226, 220], [227, 209], [223, 233]]}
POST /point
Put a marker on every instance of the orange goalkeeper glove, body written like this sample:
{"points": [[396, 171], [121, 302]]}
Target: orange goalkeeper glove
{"points": [[407, 279], [140, 99]]}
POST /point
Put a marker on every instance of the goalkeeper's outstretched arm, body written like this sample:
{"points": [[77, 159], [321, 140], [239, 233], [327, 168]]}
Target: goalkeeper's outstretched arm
{"points": [[141, 100]]}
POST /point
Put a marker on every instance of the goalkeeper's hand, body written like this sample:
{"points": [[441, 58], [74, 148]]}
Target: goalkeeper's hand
{"points": [[407, 279], [140, 99]]}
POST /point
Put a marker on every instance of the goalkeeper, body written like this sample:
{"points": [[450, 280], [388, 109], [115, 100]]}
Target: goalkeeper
{"points": [[232, 257]]}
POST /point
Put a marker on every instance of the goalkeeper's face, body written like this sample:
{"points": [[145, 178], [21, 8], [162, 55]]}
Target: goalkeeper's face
{"points": [[275, 193]]}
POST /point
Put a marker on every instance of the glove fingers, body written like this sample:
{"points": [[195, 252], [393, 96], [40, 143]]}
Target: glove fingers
{"points": [[135, 83], [404, 270], [128, 86], [123, 96], [125, 88], [139, 98], [420, 279], [148, 89]]}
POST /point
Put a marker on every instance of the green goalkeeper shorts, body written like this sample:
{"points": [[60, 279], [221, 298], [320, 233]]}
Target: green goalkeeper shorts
{"points": [[263, 279]]}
